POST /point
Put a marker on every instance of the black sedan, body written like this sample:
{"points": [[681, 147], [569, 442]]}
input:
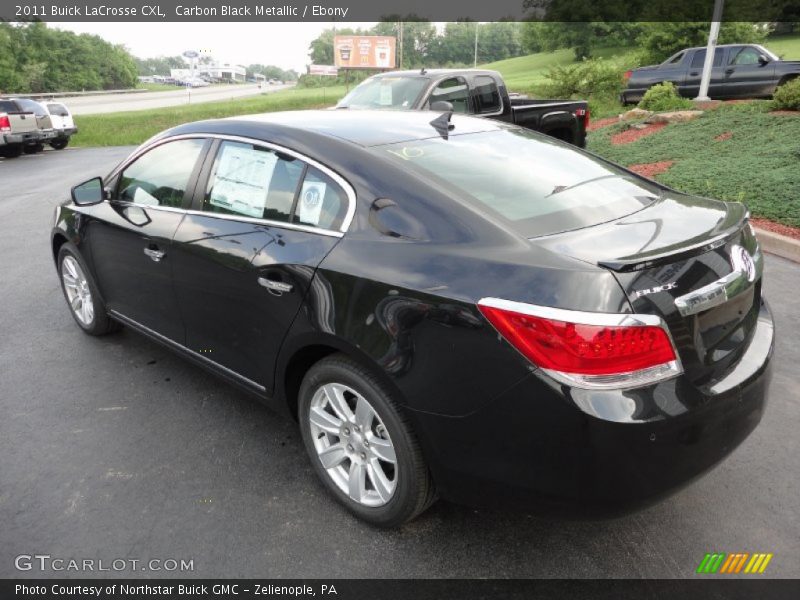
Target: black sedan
{"points": [[449, 307], [737, 71]]}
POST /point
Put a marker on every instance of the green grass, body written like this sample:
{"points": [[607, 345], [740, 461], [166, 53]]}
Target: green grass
{"points": [[757, 166], [785, 46], [131, 128]]}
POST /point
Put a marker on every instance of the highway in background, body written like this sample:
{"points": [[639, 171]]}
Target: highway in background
{"points": [[111, 103]]}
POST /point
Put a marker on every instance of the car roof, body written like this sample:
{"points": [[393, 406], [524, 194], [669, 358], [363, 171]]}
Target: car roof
{"points": [[361, 127], [436, 72]]}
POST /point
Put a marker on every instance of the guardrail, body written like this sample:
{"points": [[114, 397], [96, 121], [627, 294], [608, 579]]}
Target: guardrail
{"points": [[72, 94]]}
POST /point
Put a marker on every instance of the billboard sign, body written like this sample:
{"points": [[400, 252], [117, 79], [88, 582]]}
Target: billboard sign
{"points": [[330, 70], [364, 51]]}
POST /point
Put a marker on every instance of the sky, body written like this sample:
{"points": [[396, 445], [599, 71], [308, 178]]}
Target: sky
{"points": [[284, 45]]}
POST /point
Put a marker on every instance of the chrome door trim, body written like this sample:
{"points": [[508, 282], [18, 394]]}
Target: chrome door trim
{"points": [[343, 183], [165, 340]]}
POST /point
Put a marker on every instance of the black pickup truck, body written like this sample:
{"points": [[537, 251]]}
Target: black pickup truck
{"points": [[470, 91], [738, 71]]}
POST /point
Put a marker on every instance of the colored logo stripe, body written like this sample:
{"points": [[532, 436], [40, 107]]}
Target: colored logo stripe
{"points": [[720, 562]]}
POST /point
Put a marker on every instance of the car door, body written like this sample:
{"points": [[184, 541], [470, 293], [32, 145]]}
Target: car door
{"points": [[131, 236], [691, 85], [746, 76], [245, 256]]}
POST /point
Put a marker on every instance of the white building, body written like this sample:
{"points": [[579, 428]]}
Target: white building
{"points": [[217, 72]]}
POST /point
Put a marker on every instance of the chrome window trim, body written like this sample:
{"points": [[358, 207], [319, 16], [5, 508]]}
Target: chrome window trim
{"points": [[343, 183], [616, 381], [146, 330]]}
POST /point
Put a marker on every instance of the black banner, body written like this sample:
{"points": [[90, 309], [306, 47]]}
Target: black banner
{"points": [[408, 10], [371, 589]]}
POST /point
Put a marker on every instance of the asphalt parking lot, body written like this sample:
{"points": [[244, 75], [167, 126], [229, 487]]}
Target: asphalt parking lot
{"points": [[115, 448]]}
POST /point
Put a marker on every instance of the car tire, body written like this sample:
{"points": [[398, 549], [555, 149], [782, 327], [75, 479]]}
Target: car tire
{"points": [[357, 449], [81, 294], [33, 149], [59, 144], [12, 150]]}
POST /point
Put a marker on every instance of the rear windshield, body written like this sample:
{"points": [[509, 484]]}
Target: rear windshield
{"points": [[58, 109], [386, 92], [8, 106], [537, 185]]}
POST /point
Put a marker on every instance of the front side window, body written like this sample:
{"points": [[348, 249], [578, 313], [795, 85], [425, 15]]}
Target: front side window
{"points": [[487, 95], [747, 56], [455, 92], [253, 181], [161, 176]]}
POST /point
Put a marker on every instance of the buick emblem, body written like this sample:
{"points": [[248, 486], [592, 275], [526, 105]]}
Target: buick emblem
{"points": [[742, 261]]}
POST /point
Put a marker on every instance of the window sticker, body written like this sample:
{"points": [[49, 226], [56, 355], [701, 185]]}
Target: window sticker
{"points": [[311, 197], [386, 95], [242, 180]]}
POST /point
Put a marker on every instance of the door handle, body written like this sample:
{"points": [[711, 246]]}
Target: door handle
{"points": [[277, 287], [729, 71], [155, 254]]}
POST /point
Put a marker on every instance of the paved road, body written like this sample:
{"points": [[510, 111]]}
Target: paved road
{"points": [[115, 448], [110, 103]]}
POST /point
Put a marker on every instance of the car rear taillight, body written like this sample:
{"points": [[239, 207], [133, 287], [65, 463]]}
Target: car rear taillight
{"points": [[588, 350], [627, 74], [581, 112], [5, 123]]}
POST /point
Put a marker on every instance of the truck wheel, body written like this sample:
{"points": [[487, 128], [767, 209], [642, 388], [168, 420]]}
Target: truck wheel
{"points": [[34, 149], [59, 144], [12, 150]]}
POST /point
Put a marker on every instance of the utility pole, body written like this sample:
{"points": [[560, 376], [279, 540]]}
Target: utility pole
{"points": [[400, 43], [713, 34], [475, 62]]}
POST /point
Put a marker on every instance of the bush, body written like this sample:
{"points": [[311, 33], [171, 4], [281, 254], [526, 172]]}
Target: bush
{"points": [[664, 97], [589, 77], [787, 96]]}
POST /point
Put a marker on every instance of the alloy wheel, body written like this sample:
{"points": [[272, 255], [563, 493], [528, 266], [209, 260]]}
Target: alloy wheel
{"points": [[353, 445], [76, 287]]}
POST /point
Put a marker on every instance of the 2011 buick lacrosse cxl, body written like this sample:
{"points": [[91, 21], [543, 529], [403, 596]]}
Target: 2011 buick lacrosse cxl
{"points": [[449, 306]]}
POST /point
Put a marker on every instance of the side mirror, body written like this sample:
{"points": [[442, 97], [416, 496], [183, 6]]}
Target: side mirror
{"points": [[762, 59], [89, 192], [442, 106]]}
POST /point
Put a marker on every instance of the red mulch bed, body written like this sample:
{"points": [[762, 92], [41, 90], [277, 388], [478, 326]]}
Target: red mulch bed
{"points": [[600, 123], [631, 135], [792, 232], [785, 113], [651, 169], [723, 136]]}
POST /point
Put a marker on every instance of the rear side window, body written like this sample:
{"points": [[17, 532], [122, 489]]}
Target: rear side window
{"points": [[161, 176], [253, 181], [700, 58], [321, 202], [487, 95]]}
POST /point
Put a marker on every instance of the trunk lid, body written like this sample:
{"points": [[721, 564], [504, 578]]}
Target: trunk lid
{"points": [[692, 261]]}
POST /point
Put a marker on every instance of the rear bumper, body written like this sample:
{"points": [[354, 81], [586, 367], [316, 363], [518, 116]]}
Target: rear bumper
{"points": [[45, 135], [66, 132], [541, 445], [29, 137]]}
